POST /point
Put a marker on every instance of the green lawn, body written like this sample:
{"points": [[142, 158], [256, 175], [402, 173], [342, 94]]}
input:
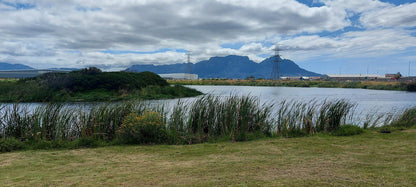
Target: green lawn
{"points": [[362, 160]]}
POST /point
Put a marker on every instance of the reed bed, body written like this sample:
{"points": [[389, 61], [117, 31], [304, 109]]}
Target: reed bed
{"points": [[207, 117]]}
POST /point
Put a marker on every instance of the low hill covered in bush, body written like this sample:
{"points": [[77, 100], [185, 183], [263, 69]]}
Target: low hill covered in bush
{"points": [[91, 84]]}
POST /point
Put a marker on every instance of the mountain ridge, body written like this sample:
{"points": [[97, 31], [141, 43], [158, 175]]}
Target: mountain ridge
{"points": [[232, 66], [8, 66]]}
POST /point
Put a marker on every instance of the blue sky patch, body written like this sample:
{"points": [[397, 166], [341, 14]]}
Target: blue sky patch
{"points": [[87, 9], [237, 45], [162, 50], [19, 6], [311, 3]]}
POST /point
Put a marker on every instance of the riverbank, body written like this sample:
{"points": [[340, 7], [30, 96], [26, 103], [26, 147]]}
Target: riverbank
{"points": [[375, 85], [369, 159]]}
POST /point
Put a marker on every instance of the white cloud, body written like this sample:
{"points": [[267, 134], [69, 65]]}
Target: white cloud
{"points": [[72, 33], [349, 45], [399, 16]]}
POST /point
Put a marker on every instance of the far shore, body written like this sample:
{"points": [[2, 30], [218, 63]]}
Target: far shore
{"points": [[399, 85]]}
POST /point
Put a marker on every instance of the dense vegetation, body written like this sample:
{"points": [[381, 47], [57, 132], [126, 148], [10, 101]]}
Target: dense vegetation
{"points": [[207, 118], [375, 85], [90, 84]]}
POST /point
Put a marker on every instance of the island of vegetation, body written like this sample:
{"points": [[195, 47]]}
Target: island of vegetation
{"points": [[91, 84]]}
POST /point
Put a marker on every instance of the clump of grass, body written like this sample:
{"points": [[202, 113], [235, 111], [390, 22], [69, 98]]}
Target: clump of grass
{"points": [[10, 144], [233, 117], [348, 130], [296, 118], [407, 119], [333, 114]]}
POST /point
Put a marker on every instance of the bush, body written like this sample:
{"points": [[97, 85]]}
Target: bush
{"points": [[46, 144], [348, 130], [385, 129], [86, 142], [411, 87], [146, 129], [10, 144]]}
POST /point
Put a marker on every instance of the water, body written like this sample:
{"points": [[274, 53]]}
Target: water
{"points": [[368, 102]]}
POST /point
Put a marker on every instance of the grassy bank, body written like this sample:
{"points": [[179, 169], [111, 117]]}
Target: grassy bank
{"points": [[370, 159], [375, 85]]}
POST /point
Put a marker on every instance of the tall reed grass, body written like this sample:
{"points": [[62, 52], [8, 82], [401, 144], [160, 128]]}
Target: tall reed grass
{"points": [[206, 117]]}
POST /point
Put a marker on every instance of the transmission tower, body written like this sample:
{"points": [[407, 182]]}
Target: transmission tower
{"points": [[276, 68], [188, 66]]}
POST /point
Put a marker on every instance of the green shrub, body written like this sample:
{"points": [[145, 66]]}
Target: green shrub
{"points": [[411, 87], [296, 133], [46, 144], [86, 142], [148, 128], [348, 130], [385, 129], [10, 144]]}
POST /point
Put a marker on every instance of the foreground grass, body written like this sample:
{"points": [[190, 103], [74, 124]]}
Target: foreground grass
{"points": [[369, 159]]}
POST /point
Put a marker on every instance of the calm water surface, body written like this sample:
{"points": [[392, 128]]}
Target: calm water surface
{"points": [[367, 101]]}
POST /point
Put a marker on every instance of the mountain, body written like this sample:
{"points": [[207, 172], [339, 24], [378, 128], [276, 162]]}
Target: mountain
{"points": [[233, 66], [7, 66]]}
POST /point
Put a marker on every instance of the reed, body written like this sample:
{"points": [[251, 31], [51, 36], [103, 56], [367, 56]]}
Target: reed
{"points": [[205, 118], [406, 119], [231, 117]]}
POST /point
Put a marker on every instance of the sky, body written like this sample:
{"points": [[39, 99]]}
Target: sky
{"points": [[324, 36]]}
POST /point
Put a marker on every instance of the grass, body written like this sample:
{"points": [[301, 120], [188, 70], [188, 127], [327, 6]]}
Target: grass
{"points": [[208, 117], [370, 159]]}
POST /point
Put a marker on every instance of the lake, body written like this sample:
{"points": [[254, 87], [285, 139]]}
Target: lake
{"points": [[368, 102], [384, 100]]}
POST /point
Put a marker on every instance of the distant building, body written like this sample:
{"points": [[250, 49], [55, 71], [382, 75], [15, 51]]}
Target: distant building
{"points": [[353, 77], [185, 76], [300, 78], [27, 73]]}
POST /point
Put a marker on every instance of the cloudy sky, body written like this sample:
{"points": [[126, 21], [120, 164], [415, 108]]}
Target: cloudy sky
{"points": [[325, 36]]}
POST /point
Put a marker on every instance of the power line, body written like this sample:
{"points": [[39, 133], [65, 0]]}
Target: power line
{"points": [[188, 65], [276, 68]]}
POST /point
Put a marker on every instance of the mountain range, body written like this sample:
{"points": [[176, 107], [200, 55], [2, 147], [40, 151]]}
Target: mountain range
{"points": [[7, 66], [233, 66]]}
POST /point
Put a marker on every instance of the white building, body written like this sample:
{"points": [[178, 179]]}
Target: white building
{"points": [[355, 77], [186, 76]]}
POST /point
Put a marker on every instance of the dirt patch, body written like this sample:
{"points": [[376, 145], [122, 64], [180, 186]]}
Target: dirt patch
{"points": [[410, 130], [6, 159]]}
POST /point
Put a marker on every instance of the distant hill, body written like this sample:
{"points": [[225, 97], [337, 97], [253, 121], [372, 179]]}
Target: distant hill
{"points": [[7, 66], [236, 67]]}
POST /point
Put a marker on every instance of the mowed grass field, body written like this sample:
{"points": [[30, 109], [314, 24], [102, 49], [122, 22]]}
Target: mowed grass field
{"points": [[363, 160]]}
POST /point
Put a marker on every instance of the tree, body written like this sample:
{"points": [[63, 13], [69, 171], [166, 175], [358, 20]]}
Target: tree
{"points": [[397, 76]]}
